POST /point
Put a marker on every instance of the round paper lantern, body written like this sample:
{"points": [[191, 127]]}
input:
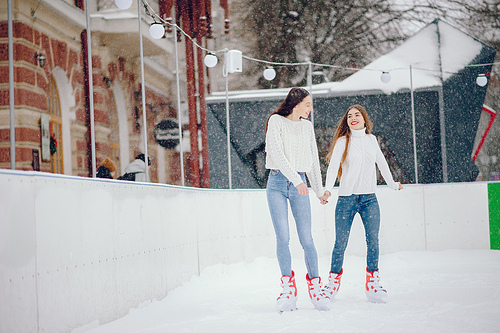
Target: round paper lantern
{"points": [[157, 30], [269, 74], [123, 4], [385, 77], [481, 80], [210, 60]]}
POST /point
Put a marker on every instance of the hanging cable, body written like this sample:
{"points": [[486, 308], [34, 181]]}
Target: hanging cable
{"points": [[151, 13]]}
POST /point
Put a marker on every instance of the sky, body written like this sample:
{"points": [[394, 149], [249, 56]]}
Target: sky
{"points": [[445, 291]]}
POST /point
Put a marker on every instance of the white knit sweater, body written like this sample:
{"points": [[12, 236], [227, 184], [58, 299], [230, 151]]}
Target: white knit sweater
{"points": [[291, 148], [358, 171]]}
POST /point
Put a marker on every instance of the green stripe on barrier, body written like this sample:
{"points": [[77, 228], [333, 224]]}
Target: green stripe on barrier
{"points": [[494, 210]]}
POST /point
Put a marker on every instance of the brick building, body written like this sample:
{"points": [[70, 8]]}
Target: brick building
{"points": [[51, 111]]}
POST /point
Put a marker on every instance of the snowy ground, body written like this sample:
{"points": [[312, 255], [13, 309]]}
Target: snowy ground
{"points": [[449, 291]]}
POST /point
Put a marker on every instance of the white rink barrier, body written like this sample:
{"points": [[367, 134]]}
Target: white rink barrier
{"points": [[74, 251]]}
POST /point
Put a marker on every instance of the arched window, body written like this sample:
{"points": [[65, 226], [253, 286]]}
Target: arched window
{"points": [[114, 136], [55, 127]]}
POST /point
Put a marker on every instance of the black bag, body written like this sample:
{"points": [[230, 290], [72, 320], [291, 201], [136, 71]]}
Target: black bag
{"points": [[128, 176]]}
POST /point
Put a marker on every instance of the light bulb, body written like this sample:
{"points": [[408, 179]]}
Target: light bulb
{"points": [[210, 60], [269, 74], [481, 80], [385, 77], [123, 4], [157, 30]]}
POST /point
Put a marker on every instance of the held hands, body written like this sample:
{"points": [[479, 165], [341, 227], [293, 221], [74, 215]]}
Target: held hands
{"points": [[324, 198]]}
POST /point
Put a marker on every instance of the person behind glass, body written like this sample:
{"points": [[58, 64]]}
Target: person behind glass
{"points": [[291, 153], [107, 169], [137, 168], [353, 156]]}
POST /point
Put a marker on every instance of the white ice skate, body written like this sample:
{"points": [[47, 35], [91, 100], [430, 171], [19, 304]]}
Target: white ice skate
{"points": [[331, 289], [287, 300], [374, 291], [318, 298]]}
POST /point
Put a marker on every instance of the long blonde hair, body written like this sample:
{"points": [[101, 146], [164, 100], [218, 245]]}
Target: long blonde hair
{"points": [[344, 130]]}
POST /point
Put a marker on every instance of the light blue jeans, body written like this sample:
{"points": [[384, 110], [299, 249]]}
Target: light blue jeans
{"points": [[367, 207], [279, 192]]}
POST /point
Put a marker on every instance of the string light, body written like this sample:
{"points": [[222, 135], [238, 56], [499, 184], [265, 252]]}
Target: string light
{"points": [[169, 25], [385, 76], [210, 60], [123, 4], [269, 73], [157, 30], [482, 79]]}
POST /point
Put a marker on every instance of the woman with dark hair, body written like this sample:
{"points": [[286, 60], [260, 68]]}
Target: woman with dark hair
{"points": [[291, 153], [353, 156]]}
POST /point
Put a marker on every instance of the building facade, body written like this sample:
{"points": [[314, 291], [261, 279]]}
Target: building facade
{"points": [[51, 91]]}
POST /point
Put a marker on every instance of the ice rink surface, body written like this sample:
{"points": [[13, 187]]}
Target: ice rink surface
{"points": [[445, 291]]}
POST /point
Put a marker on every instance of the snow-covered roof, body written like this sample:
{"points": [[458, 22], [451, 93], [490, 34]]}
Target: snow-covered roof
{"points": [[437, 50]]}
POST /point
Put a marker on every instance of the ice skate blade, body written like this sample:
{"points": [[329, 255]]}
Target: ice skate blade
{"points": [[322, 307], [280, 311], [288, 306], [376, 299]]}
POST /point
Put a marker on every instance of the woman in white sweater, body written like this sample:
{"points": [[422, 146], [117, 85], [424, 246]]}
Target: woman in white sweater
{"points": [[353, 156], [291, 153]]}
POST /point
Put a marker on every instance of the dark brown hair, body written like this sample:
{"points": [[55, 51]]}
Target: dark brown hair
{"points": [[344, 130], [294, 97]]}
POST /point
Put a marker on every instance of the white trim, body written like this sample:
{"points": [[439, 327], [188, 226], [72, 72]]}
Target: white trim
{"points": [[121, 110], [157, 91], [156, 67], [161, 166], [68, 11], [67, 100]]}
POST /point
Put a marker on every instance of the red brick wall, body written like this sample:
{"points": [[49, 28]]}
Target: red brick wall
{"points": [[32, 87], [29, 93]]}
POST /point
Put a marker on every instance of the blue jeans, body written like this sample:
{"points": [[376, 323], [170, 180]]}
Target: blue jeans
{"points": [[367, 207], [279, 191]]}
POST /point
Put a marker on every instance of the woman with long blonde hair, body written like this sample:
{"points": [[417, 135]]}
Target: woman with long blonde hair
{"points": [[352, 159]]}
